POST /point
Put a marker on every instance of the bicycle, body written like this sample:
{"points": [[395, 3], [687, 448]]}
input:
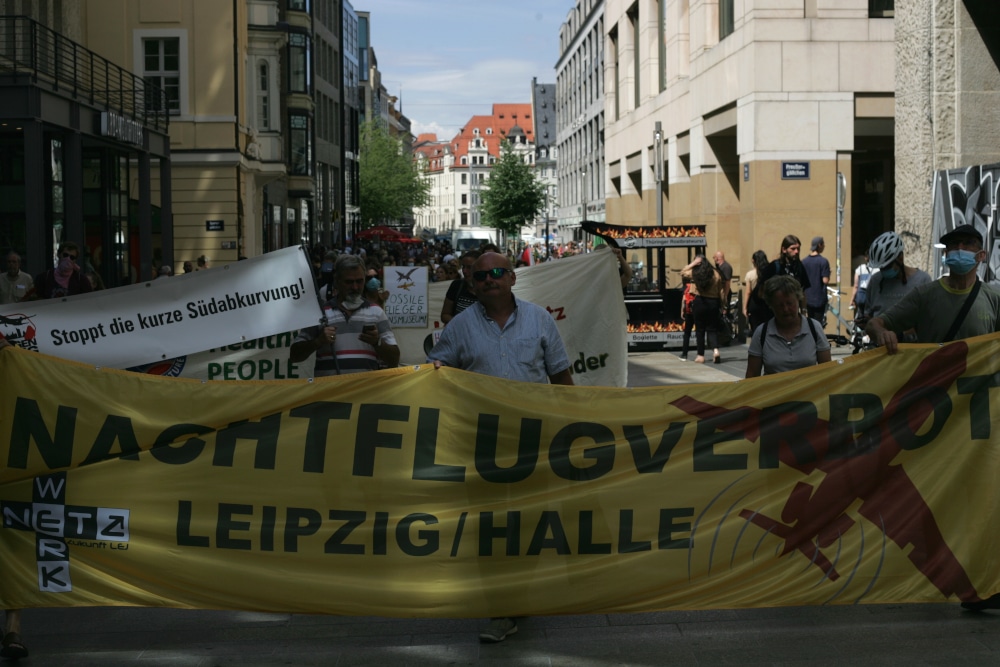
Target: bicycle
{"points": [[856, 336]]}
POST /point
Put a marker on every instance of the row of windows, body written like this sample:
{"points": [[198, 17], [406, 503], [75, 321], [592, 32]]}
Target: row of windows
{"points": [[629, 32]]}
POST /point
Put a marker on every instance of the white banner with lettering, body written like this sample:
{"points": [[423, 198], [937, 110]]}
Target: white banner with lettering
{"points": [[584, 295], [154, 322]]}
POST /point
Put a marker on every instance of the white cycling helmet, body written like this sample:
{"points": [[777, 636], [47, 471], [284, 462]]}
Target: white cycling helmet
{"points": [[884, 251]]}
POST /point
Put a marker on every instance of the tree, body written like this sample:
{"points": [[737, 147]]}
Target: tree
{"points": [[513, 197], [391, 183]]}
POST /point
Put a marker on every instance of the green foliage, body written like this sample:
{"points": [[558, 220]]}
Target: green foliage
{"points": [[513, 197], [391, 183]]}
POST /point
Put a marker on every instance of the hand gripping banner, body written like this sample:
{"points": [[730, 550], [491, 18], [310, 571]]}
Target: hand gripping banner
{"points": [[423, 492]]}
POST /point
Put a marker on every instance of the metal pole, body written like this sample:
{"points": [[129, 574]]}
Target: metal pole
{"points": [[841, 198], [661, 253]]}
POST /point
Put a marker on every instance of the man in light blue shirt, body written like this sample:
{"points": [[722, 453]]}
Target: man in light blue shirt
{"points": [[505, 337], [502, 335]]}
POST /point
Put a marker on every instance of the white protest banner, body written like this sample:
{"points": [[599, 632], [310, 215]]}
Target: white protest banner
{"points": [[584, 295], [162, 319], [407, 302], [256, 359]]}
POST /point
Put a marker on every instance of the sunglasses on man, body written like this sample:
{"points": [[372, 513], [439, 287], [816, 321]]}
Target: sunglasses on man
{"points": [[496, 274]]}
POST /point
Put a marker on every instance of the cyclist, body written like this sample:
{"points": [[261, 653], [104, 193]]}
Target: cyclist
{"points": [[893, 280]]}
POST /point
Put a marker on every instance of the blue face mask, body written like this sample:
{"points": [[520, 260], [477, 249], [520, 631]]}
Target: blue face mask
{"points": [[373, 284], [960, 261], [890, 273]]}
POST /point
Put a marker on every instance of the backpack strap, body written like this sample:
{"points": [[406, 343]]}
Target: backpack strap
{"points": [[966, 307], [812, 328]]}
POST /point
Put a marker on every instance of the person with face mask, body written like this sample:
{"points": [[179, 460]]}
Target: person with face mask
{"points": [[957, 305], [893, 280], [66, 279], [355, 335]]}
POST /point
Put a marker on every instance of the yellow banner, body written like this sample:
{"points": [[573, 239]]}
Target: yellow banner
{"points": [[422, 492]]}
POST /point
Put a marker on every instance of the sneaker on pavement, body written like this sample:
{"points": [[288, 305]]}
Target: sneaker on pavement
{"points": [[498, 630], [992, 602]]}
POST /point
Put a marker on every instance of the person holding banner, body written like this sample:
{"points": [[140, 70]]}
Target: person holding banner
{"points": [[790, 340], [355, 335], [505, 337], [955, 306]]}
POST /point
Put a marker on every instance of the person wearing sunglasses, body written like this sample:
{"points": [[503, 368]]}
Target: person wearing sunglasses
{"points": [[505, 337], [65, 279]]}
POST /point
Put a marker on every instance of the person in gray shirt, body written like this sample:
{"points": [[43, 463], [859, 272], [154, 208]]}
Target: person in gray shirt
{"points": [[505, 337]]}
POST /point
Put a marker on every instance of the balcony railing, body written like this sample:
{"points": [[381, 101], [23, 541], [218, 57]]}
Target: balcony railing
{"points": [[29, 48]]}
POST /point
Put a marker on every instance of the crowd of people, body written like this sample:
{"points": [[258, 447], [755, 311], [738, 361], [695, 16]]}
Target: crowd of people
{"points": [[490, 331]]}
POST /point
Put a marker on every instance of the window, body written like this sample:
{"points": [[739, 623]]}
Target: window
{"points": [[726, 18], [299, 76], [161, 68], [464, 178], [300, 145], [661, 42], [633, 18], [299, 5], [881, 9], [263, 96], [465, 198]]}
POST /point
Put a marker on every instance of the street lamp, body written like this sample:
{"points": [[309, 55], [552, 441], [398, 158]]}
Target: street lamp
{"points": [[661, 254]]}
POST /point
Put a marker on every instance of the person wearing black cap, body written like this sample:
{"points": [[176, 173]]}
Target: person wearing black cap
{"points": [[818, 269], [955, 306]]}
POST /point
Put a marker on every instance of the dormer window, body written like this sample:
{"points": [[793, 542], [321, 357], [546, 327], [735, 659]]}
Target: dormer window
{"points": [[475, 131], [465, 160], [489, 130]]}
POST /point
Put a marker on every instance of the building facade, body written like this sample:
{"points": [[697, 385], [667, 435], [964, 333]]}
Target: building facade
{"points": [[580, 118], [459, 169], [543, 105], [761, 104], [81, 138]]}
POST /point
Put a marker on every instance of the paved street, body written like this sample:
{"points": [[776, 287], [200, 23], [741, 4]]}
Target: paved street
{"points": [[911, 635]]}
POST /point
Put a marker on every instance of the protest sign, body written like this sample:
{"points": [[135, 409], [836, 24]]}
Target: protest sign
{"points": [[156, 321], [423, 492]]}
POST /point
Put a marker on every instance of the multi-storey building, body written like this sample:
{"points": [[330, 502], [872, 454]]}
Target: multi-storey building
{"points": [[80, 139], [760, 104], [543, 105], [459, 169], [580, 118]]}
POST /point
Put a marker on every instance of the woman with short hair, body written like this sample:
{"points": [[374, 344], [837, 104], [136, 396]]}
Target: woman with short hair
{"points": [[789, 340]]}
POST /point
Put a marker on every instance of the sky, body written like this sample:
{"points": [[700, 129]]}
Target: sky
{"points": [[450, 60]]}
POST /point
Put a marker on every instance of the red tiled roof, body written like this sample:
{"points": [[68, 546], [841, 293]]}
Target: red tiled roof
{"points": [[493, 129]]}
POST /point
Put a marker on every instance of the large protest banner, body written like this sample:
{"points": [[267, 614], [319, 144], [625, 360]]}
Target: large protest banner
{"points": [[584, 295], [156, 321], [422, 492]]}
